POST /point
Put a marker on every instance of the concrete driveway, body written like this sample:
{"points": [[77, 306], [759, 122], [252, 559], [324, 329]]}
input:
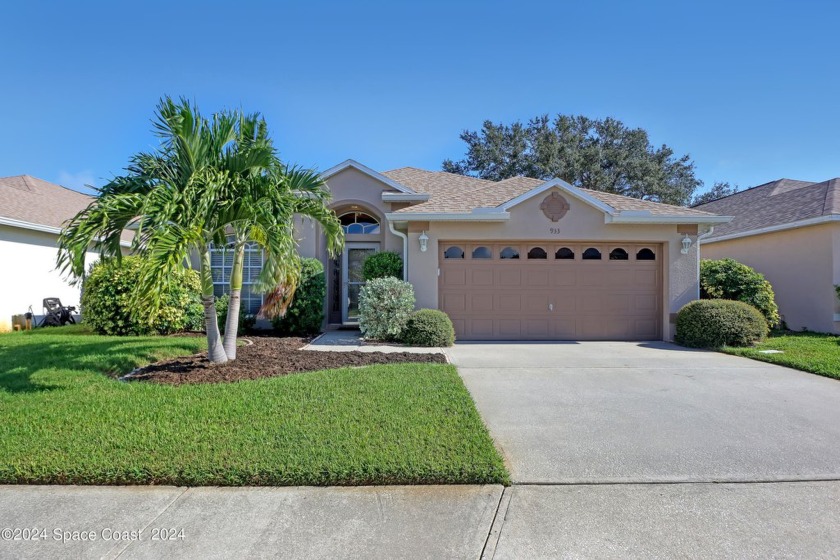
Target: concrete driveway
{"points": [[651, 412], [624, 450]]}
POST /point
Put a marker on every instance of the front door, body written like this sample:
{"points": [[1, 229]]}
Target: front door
{"points": [[351, 278]]}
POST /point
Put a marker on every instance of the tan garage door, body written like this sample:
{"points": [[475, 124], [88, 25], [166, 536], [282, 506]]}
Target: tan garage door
{"points": [[557, 291]]}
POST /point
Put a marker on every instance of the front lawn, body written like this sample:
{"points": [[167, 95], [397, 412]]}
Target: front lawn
{"points": [[814, 352], [63, 421]]}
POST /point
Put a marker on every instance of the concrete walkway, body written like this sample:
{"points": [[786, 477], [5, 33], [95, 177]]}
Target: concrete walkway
{"points": [[129, 522], [350, 340]]}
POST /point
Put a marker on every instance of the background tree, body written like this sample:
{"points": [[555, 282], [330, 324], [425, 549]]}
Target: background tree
{"points": [[719, 190], [598, 154]]}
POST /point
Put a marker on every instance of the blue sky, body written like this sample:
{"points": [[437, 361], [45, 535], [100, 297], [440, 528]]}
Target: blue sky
{"points": [[749, 89]]}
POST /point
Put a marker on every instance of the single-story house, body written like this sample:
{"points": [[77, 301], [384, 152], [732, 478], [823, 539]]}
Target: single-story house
{"points": [[515, 259], [789, 231], [32, 212]]}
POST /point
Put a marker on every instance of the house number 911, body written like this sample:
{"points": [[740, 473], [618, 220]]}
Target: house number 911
{"points": [[554, 230]]}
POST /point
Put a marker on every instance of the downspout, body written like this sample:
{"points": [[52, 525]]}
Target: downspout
{"points": [[405, 248], [710, 231]]}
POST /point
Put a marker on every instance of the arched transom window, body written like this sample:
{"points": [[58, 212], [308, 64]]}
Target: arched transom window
{"points": [[359, 222]]}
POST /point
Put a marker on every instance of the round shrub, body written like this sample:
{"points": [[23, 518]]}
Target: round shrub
{"points": [[107, 309], [383, 264], [729, 279], [306, 313], [385, 305], [429, 327], [712, 323]]}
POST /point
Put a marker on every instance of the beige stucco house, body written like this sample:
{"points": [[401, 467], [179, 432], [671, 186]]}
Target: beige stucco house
{"points": [[790, 232], [515, 259]]}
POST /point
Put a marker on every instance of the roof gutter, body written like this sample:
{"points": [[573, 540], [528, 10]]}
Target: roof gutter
{"points": [[651, 219], [781, 227], [447, 217], [40, 227]]}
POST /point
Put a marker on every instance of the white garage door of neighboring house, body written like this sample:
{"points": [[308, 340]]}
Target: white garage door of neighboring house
{"points": [[552, 291]]}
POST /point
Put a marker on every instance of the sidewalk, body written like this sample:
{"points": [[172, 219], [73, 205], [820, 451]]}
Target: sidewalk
{"points": [[299, 522]]}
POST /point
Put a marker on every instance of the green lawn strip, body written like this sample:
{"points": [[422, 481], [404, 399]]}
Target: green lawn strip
{"points": [[813, 352], [62, 421]]}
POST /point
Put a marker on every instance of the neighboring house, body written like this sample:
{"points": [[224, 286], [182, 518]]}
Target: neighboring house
{"points": [[32, 213], [515, 259], [790, 232]]}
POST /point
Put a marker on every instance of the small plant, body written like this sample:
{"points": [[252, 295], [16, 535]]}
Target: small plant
{"points": [[384, 264], [385, 306], [729, 279], [429, 327], [107, 308], [719, 322], [246, 320], [306, 313]]}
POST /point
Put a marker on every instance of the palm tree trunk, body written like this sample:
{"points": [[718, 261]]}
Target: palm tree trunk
{"points": [[232, 323], [215, 351]]}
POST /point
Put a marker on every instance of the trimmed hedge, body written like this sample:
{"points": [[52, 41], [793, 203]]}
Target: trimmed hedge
{"points": [[107, 309], [429, 327], [713, 323], [385, 305], [383, 264], [729, 279], [305, 315]]}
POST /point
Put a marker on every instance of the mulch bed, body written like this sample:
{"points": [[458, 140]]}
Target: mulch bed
{"points": [[267, 356]]}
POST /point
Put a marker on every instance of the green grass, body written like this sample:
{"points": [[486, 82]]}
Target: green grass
{"points": [[813, 352], [63, 421]]}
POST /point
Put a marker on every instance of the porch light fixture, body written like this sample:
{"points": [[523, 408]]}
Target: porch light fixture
{"points": [[686, 244], [424, 241]]}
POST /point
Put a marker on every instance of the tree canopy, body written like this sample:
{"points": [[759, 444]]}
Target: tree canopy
{"points": [[719, 190], [598, 154]]}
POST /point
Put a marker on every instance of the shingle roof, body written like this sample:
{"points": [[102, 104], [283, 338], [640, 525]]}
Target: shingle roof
{"points": [[33, 200], [774, 204], [28, 199], [452, 193]]}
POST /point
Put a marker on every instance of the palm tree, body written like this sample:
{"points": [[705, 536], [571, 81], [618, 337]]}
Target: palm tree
{"points": [[209, 178]]}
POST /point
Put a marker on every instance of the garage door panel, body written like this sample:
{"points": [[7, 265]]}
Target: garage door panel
{"points": [[536, 303], [481, 303], [558, 299], [509, 277], [538, 278], [454, 276], [481, 276], [509, 303], [454, 303]]}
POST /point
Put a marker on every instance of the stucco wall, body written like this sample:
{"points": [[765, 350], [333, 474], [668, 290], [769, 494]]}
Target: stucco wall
{"points": [[29, 275], [802, 265], [581, 223]]}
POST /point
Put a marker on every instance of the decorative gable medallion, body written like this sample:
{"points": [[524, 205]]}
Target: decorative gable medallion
{"points": [[554, 206]]}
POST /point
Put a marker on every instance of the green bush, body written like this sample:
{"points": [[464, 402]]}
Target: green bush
{"points": [[382, 265], [106, 298], [729, 279], [712, 323], [246, 320], [306, 313], [429, 327], [385, 305]]}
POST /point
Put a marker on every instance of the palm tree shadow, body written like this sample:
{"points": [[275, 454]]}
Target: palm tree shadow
{"points": [[35, 367]]}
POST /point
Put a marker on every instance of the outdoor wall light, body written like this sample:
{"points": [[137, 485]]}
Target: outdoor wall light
{"points": [[424, 241], [686, 244]]}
